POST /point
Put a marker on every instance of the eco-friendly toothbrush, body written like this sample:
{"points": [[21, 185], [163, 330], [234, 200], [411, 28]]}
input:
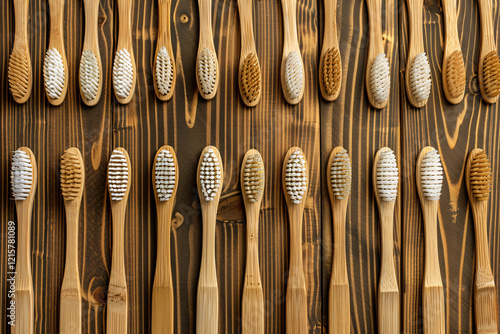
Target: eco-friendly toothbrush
{"points": [[164, 66], [19, 72], [453, 71], [418, 70], [339, 187], [165, 181], [210, 176], [478, 179], [489, 64], [330, 67], [207, 66], [385, 187], [249, 77], [90, 62], [23, 177], [429, 176], [72, 184], [55, 66], [124, 68], [292, 67], [378, 71], [252, 187], [119, 181], [295, 184]]}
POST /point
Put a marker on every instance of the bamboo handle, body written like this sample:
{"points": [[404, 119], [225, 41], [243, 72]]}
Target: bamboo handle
{"points": [[91, 22], [330, 34], [290, 42], [205, 12], [451, 28], [433, 309], [124, 25], [164, 22], [21, 22], [486, 20], [296, 295], [246, 26], [207, 309]]}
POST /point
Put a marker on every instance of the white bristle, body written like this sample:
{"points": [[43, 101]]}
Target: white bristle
{"points": [[387, 176], [207, 70], [164, 71], [253, 177], [165, 175], [431, 175], [89, 75], [380, 78], [294, 74], [340, 175], [210, 175], [296, 177], [123, 73], [53, 73], [420, 77], [21, 175], [117, 175]]}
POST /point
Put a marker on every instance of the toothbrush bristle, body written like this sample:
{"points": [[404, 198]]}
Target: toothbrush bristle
{"points": [[89, 75], [331, 71], [340, 175], [431, 175], [118, 175], [165, 175], [21, 175], [455, 74], [210, 175], [294, 74], [207, 70], [250, 78], [296, 177], [387, 176], [380, 78], [123, 73], [491, 74], [253, 178], [480, 176], [420, 77], [164, 71], [71, 175], [18, 74], [54, 73]]}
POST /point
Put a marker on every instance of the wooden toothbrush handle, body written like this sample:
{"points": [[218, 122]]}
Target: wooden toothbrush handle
{"points": [[487, 33], [433, 309], [91, 24], [205, 12], [56, 8], [124, 25], [416, 38], [246, 26], [339, 318], [330, 34], [164, 22], [21, 21], [290, 43], [207, 309]]}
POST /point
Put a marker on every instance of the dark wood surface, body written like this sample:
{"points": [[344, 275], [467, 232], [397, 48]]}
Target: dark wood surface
{"points": [[188, 123]]}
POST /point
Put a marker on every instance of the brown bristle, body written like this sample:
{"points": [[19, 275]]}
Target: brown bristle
{"points": [[250, 77], [71, 175], [455, 74], [18, 74], [331, 71], [491, 74], [480, 176]]}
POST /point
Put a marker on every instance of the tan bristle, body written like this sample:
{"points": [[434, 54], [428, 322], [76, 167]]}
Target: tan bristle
{"points": [[294, 74], [340, 175], [491, 74], [253, 177], [18, 74], [455, 74], [480, 176], [207, 70], [331, 71], [250, 77], [71, 175]]}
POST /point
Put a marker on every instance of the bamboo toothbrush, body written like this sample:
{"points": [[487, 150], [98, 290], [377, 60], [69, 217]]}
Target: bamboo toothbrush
{"points": [[339, 188], [90, 62], [124, 68], [330, 76], [252, 187], [19, 72], [72, 184], [119, 181], [207, 66], [385, 187], [165, 181], [23, 177], [292, 67], [250, 80], [418, 70], [164, 66], [55, 66], [429, 176], [453, 61], [295, 181], [479, 181], [489, 64], [378, 71], [210, 176]]}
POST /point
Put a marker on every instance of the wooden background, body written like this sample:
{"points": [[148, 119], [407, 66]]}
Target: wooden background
{"points": [[188, 123]]}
